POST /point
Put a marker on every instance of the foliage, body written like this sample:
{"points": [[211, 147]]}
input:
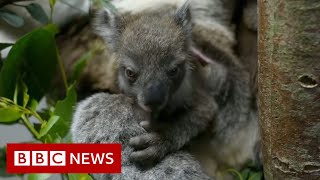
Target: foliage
{"points": [[3, 163], [35, 10], [4, 45], [11, 18], [26, 61], [25, 78], [248, 173]]}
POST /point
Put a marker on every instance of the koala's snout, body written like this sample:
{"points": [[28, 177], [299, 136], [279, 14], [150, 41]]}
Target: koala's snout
{"points": [[155, 96]]}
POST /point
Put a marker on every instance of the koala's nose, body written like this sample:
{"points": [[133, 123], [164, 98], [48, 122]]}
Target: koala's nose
{"points": [[155, 95]]}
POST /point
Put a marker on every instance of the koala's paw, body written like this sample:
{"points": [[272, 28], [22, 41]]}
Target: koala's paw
{"points": [[149, 148]]}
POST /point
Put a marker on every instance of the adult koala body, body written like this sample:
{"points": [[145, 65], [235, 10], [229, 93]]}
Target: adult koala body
{"points": [[205, 109]]}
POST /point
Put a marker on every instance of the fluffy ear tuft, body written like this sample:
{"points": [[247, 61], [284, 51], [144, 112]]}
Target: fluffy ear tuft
{"points": [[183, 17], [107, 24]]}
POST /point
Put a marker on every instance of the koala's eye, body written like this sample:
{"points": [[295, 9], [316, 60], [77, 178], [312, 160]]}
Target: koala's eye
{"points": [[173, 72], [130, 74]]}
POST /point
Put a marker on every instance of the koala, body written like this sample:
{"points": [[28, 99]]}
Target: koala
{"points": [[185, 103], [106, 118]]}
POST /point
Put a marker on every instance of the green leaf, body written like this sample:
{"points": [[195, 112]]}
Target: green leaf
{"points": [[25, 95], [73, 6], [52, 3], [11, 18], [33, 104], [37, 12], [236, 173], [1, 63], [63, 109], [245, 173], [47, 126], [52, 28], [256, 176], [4, 45], [39, 176], [80, 65], [67, 138], [79, 177], [34, 56], [9, 114], [3, 163]]}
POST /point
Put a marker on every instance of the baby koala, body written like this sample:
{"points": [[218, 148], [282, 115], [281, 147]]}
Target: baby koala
{"points": [[156, 69], [184, 92]]}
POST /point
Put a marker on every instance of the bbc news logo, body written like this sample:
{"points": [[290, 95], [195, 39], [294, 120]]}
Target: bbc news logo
{"points": [[39, 158], [63, 158]]}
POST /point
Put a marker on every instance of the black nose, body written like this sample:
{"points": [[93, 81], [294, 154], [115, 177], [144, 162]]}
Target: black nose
{"points": [[155, 95]]}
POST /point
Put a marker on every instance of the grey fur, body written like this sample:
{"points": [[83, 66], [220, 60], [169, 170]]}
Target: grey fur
{"points": [[150, 46], [105, 118], [218, 110]]}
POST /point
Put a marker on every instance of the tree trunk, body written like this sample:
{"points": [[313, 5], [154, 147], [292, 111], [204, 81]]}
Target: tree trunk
{"points": [[289, 85]]}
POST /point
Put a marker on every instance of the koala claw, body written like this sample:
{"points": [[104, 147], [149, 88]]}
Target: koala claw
{"points": [[144, 141], [150, 148], [146, 125]]}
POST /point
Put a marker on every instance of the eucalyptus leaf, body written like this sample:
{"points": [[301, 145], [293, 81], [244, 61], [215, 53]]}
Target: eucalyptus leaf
{"points": [[9, 114], [37, 12], [79, 177], [245, 173], [52, 28], [72, 6], [47, 126], [63, 109], [39, 176], [25, 94], [67, 138], [256, 176], [3, 163], [1, 63], [33, 104], [52, 3], [235, 173], [79, 66], [4, 45], [35, 56], [11, 18]]}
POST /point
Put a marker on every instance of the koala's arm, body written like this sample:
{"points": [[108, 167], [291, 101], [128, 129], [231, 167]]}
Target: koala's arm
{"points": [[105, 118], [175, 133]]}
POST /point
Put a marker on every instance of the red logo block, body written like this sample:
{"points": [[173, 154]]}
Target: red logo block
{"points": [[63, 158]]}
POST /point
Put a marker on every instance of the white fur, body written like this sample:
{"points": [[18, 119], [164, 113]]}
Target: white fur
{"points": [[136, 6]]}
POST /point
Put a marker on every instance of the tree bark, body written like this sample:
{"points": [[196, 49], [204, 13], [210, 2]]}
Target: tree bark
{"points": [[289, 85]]}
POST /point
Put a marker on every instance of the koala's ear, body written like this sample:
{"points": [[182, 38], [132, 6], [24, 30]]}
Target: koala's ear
{"points": [[108, 25], [183, 17]]}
